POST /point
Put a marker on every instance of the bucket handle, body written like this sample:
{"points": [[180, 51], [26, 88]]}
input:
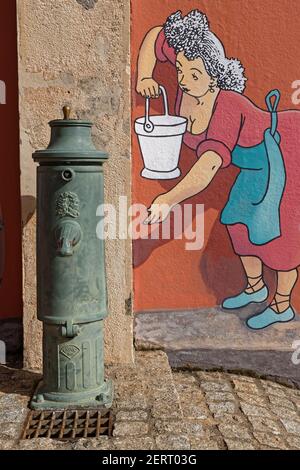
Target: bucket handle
{"points": [[148, 125]]}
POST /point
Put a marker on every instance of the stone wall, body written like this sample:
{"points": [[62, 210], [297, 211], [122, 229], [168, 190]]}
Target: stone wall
{"points": [[77, 52]]}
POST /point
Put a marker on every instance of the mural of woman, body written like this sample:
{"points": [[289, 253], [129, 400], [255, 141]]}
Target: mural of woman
{"points": [[225, 128]]}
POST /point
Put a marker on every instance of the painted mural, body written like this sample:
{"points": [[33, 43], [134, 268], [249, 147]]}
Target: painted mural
{"points": [[217, 123]]}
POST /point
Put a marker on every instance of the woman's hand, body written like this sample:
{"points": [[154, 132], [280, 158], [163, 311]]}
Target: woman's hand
{"points": [[148, 88], [159, 209]]}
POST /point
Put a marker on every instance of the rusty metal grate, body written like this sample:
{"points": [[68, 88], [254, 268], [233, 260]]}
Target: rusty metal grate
{"points": [[71, 424]]}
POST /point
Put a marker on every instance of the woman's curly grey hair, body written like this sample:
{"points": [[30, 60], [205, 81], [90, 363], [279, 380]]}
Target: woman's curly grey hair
{"points": [[191, 35]]}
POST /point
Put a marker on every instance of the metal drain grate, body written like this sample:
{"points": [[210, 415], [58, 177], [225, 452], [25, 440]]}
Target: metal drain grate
{"points": [[71, 424]]}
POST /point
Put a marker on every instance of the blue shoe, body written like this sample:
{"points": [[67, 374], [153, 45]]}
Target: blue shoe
{"points": [[244, 299], [269, 317]]}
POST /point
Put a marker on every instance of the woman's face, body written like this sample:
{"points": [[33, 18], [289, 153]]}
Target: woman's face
{"points": [[193, 78]]}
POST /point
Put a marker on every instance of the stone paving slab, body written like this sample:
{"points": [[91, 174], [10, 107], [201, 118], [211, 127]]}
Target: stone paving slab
{"points": [[212, 328], [212, 338], [157, 408]]}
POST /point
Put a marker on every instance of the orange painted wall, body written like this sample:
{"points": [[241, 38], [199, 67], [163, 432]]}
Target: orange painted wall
{"points": [[11, 287], [264, 35]]}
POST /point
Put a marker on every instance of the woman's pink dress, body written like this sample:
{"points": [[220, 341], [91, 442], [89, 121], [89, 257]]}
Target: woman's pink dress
{"points": [[237, 121]]}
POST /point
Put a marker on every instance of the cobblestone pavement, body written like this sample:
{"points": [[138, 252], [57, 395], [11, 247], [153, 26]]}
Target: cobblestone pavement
{"points": [[159, 409]]}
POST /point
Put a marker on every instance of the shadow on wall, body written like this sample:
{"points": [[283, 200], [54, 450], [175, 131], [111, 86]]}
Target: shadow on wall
{"points": [[15, 381], [11, 342], [28, 207], [87, 4]]}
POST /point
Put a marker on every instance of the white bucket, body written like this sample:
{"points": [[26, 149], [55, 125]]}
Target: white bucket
{"points": [[160, 142]]}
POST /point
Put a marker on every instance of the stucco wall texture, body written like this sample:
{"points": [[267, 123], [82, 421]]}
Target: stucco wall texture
{"points": [[77, 52]]}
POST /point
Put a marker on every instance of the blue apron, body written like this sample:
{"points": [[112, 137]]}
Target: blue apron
{"points": [[256, 195]]}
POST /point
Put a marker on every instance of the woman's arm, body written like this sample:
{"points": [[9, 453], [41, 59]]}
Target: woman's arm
{"points": [[196, 180], [146, 86]]}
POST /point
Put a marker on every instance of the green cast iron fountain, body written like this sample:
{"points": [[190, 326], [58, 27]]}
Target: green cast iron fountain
{"points": [[72, 299]]}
